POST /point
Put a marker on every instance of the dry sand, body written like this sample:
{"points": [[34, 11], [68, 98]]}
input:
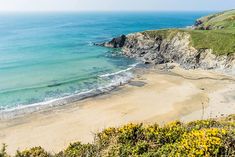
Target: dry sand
{"points": [[151, 97]]}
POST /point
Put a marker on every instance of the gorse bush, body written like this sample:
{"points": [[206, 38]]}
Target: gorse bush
{"points": [[33, 152], [78, 149], [3, 152], [202, 138], [205, 142]]}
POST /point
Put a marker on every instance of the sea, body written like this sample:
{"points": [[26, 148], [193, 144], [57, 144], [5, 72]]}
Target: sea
{"points": [[46, 57]]}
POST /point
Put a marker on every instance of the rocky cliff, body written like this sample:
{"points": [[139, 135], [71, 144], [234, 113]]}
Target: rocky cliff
{"points": [[177, 49], [210, 44]]}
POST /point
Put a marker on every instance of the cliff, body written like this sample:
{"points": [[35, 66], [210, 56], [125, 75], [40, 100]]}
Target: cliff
{"points": [[191, 48]]}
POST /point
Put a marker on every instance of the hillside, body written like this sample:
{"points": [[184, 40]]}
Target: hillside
{"points": [[222, 42], [197, 138], [216, 32], [223, 20], [209, 44]]}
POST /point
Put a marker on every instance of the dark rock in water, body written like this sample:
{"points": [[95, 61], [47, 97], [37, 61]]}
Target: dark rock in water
{"points": [[118, 42], [98, 44]]}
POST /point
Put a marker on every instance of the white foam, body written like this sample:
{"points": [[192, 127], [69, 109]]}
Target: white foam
{"points": [[90, 43], [121, 71], [119, 78]]}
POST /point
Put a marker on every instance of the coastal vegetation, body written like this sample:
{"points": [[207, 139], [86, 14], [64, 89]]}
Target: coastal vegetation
{"points": [[198, 138], [216, 32]]}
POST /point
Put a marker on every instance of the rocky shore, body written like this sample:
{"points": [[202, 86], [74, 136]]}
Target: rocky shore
{"points": [[176, 45], [161, 50]]}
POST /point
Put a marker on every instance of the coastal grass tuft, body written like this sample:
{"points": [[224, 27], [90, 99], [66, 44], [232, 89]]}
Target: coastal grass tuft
{"points": [[163, 33], [212, 137]]}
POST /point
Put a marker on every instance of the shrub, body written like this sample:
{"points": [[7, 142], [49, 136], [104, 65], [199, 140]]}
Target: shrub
{"points": [[151, 132], [79, 150], [205, 142], [167, 150], [170, 133], [33, 152], [140, 148], [3, 152], [131, 133], [199, 124], [229, 144], [105, 137]]}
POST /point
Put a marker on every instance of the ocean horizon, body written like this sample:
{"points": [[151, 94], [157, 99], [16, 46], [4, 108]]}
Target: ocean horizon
{"points": [[51, 56]]}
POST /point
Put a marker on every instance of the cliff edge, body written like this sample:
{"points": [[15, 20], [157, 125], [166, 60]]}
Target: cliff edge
{"points": [[209, 44]]}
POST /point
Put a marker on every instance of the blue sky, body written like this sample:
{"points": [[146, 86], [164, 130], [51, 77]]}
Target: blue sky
{"points": [[114, 5]]}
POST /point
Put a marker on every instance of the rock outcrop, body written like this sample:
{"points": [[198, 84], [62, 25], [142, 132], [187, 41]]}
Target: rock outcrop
{"points": [[178, 49], [190, 48], [115, 42]]}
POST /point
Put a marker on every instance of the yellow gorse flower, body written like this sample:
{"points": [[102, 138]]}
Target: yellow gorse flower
{"points": [[202, 142]]}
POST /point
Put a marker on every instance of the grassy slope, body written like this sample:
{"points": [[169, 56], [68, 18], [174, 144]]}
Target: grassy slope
{"points": [[221, 41], [224, 20]]}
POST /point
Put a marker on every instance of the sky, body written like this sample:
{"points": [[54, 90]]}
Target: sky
{"points": [[115, 5]]}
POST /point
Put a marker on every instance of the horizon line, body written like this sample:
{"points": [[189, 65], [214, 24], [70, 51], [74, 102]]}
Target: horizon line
{"points": [[78, 11]]}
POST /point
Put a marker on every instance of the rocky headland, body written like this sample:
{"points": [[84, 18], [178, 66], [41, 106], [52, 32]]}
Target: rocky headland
{"points": [[209, 44]]}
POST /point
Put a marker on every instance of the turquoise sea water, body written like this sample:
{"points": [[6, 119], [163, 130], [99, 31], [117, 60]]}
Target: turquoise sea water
{"points": [[46, 56]]}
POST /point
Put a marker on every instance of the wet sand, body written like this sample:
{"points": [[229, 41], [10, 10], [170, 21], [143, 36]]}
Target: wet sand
{"points": [[152, 97]]}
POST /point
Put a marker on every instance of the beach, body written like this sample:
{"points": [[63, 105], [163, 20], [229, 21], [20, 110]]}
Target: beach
{"points": [[152, 96]]}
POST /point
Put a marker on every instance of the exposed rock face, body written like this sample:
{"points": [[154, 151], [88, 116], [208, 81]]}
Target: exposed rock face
{"points": [[176, 50], [199, 25], [115, 42]]}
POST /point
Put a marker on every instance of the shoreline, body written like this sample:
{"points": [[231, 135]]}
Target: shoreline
{"points": [[21, 111], [152, 96]]}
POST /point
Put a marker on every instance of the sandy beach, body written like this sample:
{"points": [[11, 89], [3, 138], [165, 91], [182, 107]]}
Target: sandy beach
{"points": [[152, 97]]}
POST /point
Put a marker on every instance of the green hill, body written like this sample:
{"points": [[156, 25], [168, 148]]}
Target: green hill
{"points": [[216, 32], [223, 20]]}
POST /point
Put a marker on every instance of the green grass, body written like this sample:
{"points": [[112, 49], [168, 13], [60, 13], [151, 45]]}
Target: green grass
{"points": [[164, 33], [225, 20], [221, 41]]}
